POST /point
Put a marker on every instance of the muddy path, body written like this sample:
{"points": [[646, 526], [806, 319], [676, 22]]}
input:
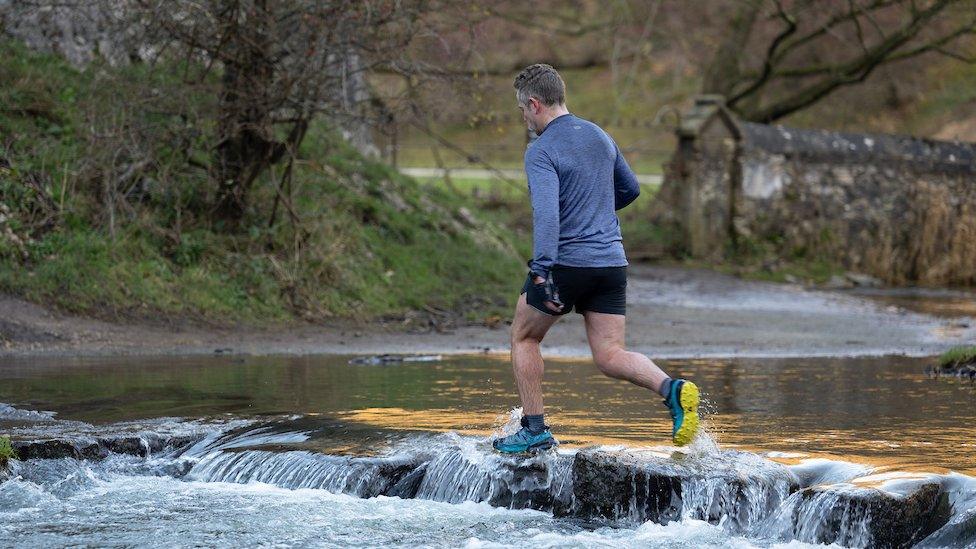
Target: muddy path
{"points": [[672, 313]]}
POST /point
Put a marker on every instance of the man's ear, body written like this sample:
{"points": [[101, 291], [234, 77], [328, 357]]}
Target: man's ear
{"points": [[536, 105]]}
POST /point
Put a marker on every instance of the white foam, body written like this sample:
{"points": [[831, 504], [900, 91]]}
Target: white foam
{"points": [[8, 412]]}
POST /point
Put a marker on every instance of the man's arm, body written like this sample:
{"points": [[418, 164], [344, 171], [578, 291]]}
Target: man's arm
{"points": [[544, 193], [625, 185]]}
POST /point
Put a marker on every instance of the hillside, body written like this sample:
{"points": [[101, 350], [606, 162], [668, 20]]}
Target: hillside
{"points": [[102, 212], [929, 97]]}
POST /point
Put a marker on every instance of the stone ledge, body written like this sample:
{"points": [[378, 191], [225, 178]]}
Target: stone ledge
{"points": [[743, 492], [854, 516], [627, 486], [100, 447]]}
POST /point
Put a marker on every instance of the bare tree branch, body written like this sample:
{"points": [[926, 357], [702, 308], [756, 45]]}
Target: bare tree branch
{"points": [[770, 54], [571, 26], [853, 71]]}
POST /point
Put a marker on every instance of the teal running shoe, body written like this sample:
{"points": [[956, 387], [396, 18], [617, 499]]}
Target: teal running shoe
{"points": [[523, 441], [683, 401]]}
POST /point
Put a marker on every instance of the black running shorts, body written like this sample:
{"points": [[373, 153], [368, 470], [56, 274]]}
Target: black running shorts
{"points": [[597, 289]]}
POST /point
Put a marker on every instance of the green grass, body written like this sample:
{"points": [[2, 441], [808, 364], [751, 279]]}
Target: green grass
{"points": [[383, 249], [766, 259], [417, 154], [958, 356], [7, 452], [368, 242], [952, 96], [590, 96], [804, 270], [479, 187]]}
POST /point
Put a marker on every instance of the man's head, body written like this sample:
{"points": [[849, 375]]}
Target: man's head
{"points": [[541, 95]]}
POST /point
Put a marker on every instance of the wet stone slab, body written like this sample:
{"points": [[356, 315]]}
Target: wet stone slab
{"points": [[451, 470], [853, 516], [960, 531], [629, 486], [363, 477], [467, 473], [617, 486], [99, 447]]}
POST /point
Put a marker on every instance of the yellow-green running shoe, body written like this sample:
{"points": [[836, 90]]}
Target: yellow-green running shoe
{"points": [[682, 401]]}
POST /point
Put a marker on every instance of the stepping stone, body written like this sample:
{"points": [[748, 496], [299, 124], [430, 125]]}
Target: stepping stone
{"points": [[855, 516], [632, 486]]}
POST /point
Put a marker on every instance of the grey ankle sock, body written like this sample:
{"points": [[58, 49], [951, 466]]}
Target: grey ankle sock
{"points": [[535, 424], [665, 387]]}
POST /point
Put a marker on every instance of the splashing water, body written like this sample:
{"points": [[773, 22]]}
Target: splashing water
{"points": [[507, 424], [228, 488]]}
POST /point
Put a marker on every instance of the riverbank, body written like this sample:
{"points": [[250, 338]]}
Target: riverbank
{"points": [[117, 217], [673, 312]]}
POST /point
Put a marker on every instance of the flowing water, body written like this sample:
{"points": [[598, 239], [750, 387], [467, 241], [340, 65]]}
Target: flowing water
{"points": [[309, 451]]}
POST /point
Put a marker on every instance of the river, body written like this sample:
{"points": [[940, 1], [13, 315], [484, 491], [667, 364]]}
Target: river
{"points": [[865, 421]]}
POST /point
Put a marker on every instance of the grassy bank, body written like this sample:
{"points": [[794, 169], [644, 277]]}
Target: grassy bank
{"points": [[958, 356], [7, 452], [116, 226]]}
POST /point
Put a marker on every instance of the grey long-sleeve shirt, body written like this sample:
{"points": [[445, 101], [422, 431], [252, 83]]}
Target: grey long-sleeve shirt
{"points": [[577, 180]]}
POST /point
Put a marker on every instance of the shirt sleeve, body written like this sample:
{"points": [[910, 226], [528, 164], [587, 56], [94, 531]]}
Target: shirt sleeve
{"points": [[544, 194], [625, 186]]}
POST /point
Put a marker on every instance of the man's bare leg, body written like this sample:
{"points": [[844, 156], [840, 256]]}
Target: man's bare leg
{"points": [[528, 329], [606, 336], [605, 333]]}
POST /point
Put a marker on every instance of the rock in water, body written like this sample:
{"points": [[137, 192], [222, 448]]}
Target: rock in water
{"points": [[364, 477], [736, 489], [98, 448], [407, 486], [862, 517], [469, 473], [959, 532], [393, 359], [56, 449]]}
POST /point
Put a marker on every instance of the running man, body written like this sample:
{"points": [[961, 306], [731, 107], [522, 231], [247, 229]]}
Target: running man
{"points": [[577, 180]]}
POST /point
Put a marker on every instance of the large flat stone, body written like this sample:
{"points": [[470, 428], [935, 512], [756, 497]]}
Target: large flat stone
{"points": [[959, 532], [465, 473], [736, 489], [743, 492], [97, 448], [364, 477], [854, 516]]}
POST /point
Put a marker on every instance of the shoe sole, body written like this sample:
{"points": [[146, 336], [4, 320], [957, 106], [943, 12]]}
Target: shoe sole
{"points": [[533, 449], [542, 446], [688, 399]]}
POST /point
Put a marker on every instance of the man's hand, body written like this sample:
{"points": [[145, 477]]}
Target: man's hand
{"points": [[552, 306]]}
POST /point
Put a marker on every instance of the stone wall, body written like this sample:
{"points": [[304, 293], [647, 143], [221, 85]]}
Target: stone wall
{"points": [[79, 31], [901, 209]]}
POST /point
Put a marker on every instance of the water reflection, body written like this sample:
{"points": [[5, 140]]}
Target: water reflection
{"points": [[941, 302], [880, 410]]}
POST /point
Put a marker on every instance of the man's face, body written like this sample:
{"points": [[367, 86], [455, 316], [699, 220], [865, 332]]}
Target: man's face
{"points": [[530, 113]]}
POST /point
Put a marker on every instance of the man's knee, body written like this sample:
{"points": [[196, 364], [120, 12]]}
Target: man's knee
{"points": [[528, 329], [606, 359], [525, 338]]}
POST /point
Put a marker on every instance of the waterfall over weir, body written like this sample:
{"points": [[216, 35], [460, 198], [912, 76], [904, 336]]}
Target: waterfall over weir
{"points": [[446, 468], [742, 493]]}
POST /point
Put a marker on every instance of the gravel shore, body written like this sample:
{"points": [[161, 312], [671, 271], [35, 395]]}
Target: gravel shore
{"points": [[672, 313]]}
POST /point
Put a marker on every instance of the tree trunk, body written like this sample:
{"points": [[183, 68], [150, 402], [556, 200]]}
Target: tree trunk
{"points": [[245, 133], [722, 73]]}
